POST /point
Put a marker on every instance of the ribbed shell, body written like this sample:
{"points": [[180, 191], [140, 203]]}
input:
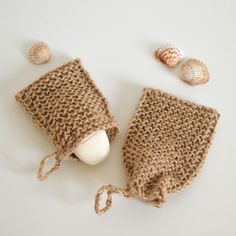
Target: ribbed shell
{"points": [[40, 53], [169, 55], [194, 72]]}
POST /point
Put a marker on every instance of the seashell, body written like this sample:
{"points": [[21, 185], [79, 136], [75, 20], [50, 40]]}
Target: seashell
{"points": [[40, 53], [194, 72], [169, 55]]}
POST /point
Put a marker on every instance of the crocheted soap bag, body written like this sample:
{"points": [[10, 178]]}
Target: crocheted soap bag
{"points": [[166, 145], [67, 105]]}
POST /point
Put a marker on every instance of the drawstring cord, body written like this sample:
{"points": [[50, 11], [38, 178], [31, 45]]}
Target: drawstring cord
{"points": [[55, 155], [109, 190], [156, 196]]}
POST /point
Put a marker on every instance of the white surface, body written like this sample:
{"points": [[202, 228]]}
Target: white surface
{"points": [[115, 41], [94, 149]]}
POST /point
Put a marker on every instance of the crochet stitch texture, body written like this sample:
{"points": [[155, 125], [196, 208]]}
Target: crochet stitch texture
{"points": [[67, 105], [166, 145]]}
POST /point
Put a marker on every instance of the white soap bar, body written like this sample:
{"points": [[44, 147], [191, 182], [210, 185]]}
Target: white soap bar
{"points": [[94, 148]]}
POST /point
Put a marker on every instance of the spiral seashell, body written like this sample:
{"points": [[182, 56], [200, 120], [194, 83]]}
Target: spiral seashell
{"points": [[194, 72], [169, 55], [40, 53]]}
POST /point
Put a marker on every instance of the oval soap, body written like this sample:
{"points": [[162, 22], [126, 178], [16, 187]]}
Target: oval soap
{"points": [[94, 148]]}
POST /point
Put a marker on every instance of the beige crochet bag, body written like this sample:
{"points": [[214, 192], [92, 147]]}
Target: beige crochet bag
{"points": [[166, 145], [67, 105]]}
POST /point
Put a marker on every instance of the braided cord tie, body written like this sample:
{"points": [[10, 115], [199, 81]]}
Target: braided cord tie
{"points": [[56, 156], [155, 196], [109, 190]]}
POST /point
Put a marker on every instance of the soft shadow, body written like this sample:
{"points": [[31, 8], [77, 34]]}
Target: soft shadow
{"points": [[129, 96]]}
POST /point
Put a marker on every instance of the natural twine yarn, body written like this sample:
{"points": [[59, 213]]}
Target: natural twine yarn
{"points": [[66, 104], [165, 148]]}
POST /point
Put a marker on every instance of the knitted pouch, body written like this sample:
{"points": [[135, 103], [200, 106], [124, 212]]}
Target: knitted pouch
{"points": [[67, 105], [166, 144]]}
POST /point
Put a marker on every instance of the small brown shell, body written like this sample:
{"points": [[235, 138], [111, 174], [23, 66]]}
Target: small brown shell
{"points": [[169, 55], [40, 53], [194, 72]]}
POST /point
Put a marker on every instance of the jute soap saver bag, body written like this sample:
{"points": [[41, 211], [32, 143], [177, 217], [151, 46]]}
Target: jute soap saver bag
{"points": [[165, 148], [66, 104]]}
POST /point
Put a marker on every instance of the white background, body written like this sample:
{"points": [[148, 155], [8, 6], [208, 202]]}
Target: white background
{"points": [[115, 41]]}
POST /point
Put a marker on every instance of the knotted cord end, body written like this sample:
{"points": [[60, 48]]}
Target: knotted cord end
{"points": [[158, 193]]}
